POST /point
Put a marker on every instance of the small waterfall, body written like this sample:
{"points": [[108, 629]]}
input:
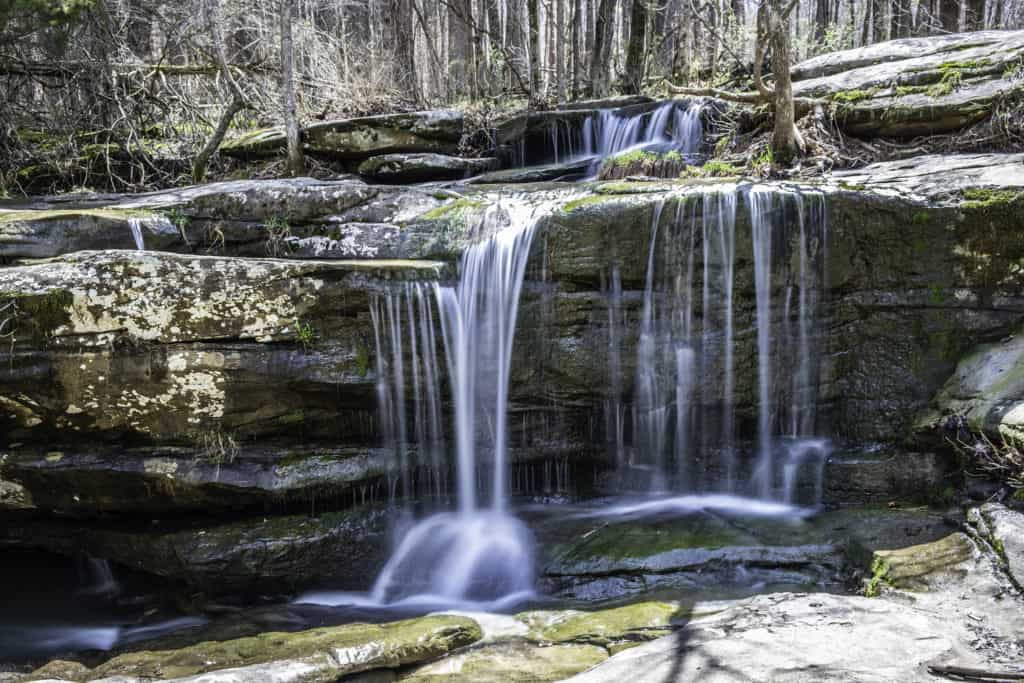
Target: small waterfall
{"points": [[760, 202], [135, 224], [675, 124], [684, 407], [97, 578], [475, 554], [614, 413], [403, 321]]}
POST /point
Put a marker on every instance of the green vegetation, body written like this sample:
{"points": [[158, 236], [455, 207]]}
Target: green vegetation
{"points": [[713, 168], [921, 218], [278, 233], [854, 96], [581, 202], [305, 334], [453, 210], [984, 198], [879, 578], [362, 358]]}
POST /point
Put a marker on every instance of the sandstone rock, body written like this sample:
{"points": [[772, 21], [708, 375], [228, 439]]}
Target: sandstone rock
{"points": [[324, 654], [788, 637], [418, 168], [224, 476], [1004, 530], [426, 131], [919, 567], [987, 390], [915, 86]]}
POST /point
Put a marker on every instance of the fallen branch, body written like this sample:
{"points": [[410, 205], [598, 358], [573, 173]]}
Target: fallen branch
{"points": [[975, 674]]}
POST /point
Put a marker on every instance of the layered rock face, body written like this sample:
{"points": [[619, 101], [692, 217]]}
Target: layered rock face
{"points": [[231, 371]]}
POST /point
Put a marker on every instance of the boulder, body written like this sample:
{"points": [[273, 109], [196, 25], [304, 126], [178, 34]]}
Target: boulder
{"points": [[436, 131], [1003, 529], [916, 86], [920, 567], [419, 168], [324, 654], [42, 234], [792, 637], [985, 393], [293, 218]]}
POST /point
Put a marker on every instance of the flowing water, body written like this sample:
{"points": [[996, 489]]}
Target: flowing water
{"points": [[684, 413], [479, 554]]}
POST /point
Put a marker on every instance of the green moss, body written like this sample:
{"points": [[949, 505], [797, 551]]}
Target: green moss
{"points": [[581, 202], [921, 218], [362, 358], [853, 96], [456, 209], [8, 217], [905, 90], [636, 622], [364, 646], [714, 168], [985, 198], [851, 187]]}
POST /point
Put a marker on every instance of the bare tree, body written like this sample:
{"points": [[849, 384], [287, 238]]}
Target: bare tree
{"points": [[291, 120], [600, 56], [636, 53]]}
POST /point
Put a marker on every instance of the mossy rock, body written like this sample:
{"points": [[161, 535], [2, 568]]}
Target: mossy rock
{"points": [[918, 567], [629, 624], [323, 654]]}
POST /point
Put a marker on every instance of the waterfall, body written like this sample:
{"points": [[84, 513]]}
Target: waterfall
{"points": [[97, 577], [477, 553], [403, 320], [684, 407], [135, 224], [760, 202], [673, 123]]}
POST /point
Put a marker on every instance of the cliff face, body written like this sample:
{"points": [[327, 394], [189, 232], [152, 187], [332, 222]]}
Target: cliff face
{"points": [[205, 381]]}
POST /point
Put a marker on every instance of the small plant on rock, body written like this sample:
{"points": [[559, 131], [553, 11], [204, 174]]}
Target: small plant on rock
{"points": [[279, 234], [305, 334]]}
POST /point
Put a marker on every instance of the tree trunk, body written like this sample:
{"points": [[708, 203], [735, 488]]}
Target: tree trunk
{"points": [[901, 19], [291, 120], [785, 138], [604, 27], [533, 21], [577, 47], [636, 52], [560, 47], [949, 15], [975, 15], [459, 48], [211, 11], [879, 23], [405, 47], [739, 10], [821, 19]]}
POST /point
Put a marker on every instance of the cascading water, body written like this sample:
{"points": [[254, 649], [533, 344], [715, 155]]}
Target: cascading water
{"points": [[479, 554], [135, 225], [673, 124], [684, 407], [403, 319]]}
